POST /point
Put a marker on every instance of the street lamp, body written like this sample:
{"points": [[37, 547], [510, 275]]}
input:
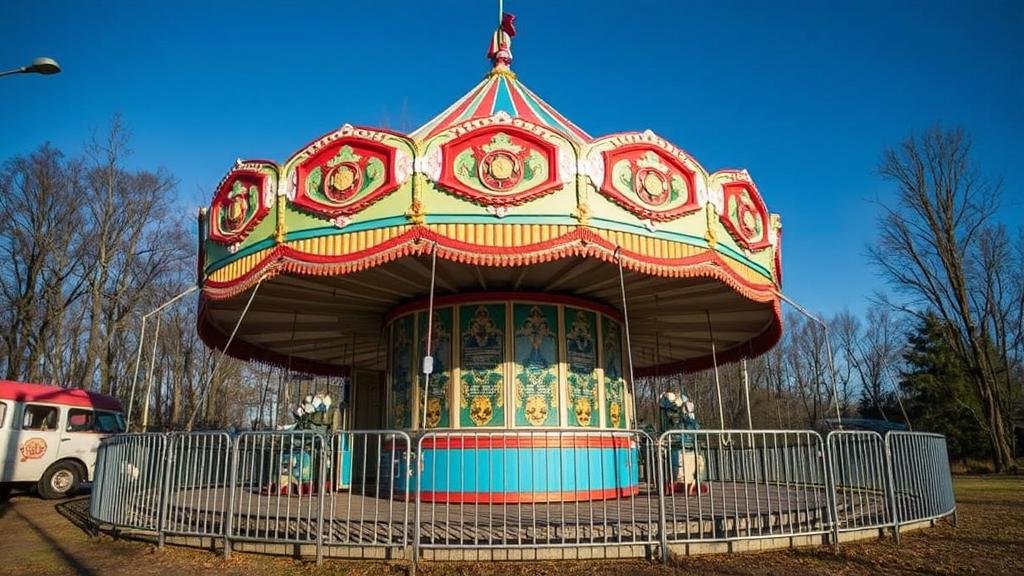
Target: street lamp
{"points": [[38, 66]]}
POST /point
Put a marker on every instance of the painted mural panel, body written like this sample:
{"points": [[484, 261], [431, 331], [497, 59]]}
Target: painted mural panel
{"points": [[536, 356], [614, 382], [401, 372], [581, 355], [441, 349], [482, 354]]}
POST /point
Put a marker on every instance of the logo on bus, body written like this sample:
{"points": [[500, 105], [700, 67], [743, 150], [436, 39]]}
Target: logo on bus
{"points": [[32, 448]]}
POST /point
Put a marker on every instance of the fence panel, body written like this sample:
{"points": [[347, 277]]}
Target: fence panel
{"points": [[922, 484], [534, 489], [277, 487], [371, 473], [859, 471], [129, 481], [735, 484], [195, 499]]}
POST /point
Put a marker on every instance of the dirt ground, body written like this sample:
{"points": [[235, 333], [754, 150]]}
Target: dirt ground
{"points": [[40, 537]]}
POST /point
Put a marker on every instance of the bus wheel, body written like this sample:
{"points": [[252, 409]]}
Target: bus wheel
{"points": [[59, 481]]}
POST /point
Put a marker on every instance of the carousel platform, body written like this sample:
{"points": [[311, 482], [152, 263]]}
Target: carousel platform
{"points": [[725, 510]]}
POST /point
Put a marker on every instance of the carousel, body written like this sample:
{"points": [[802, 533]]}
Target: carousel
{"points": [[498, 269]]}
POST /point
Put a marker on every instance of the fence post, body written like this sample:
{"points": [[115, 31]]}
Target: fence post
{"points": [[168, 460], [226, 525], [414, 468], [890, 488], [659, 484], [830, 488], [325, 453]]}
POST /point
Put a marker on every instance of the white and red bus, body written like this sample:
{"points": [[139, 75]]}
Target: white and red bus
{"points": [[49, 435]]}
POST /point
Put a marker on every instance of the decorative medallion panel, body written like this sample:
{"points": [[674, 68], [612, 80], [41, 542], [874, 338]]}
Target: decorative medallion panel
{"points": [[499, 165], [345, 176], [242, 200], [743, 214], [649, 182]]}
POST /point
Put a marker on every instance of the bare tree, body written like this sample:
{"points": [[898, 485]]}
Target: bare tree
{"points": [[929, 235], [40, 208]]}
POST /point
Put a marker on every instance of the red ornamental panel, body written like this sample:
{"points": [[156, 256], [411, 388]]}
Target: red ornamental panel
{"points": [[649, 182], [500, 166], [239, 205], [345, 177], [745, 216]]}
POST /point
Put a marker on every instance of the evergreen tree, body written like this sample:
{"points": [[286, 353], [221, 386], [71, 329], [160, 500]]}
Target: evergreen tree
{"points": [[939, 394]]}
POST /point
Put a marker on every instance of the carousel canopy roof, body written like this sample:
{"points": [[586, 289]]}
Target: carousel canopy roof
{"points": [[510, 196], [501, 92]]}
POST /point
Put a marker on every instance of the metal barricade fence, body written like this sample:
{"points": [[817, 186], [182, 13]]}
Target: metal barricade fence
{"points": [[860, 476], [922, 483], [128, 482], [195, 496], [372, 470], [740, 484], [463, 489], [277, 489], [533, 489]]}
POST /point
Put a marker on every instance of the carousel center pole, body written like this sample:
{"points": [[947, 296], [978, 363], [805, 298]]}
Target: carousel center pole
{"points": [[428, 360], [625, 321]]}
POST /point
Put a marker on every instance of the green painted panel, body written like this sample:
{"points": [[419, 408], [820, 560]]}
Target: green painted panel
{"points": [[536, 356], [441, 349], [481, 355], [614, 382], [580, 330], [401, 371]]}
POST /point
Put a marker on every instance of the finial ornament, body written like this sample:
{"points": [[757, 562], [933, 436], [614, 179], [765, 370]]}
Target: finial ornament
{"points": [[500, 51]]}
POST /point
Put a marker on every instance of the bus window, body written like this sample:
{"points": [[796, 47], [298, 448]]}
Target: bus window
{"points": [[38, 417], [109, 423], [3, 414], [80, 420]]}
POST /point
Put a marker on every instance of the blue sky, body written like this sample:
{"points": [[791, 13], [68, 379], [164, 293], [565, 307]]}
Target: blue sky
{"points": [[805, 95]]}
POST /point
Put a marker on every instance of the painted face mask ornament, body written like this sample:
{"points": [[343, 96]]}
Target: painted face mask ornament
{"points": [[433, 412], [584, 412], [615, 414], [481, 411], [536, 410]]}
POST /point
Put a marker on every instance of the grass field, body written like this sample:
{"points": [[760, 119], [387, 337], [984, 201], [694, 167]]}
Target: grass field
{"points": [[41, 538]]}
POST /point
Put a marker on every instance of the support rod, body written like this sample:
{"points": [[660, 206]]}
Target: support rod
{"points": [[142, 339], [428, 360], [149, 375], [223, 352], [828, 346], [714, 364], [746, 392], [629, 346]]}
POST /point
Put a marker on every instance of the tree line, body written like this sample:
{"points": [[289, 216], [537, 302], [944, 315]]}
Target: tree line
{"points": [[93, 243]]}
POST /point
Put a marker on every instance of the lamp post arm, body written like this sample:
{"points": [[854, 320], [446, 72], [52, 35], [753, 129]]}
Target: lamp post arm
{"points": [[21, 70]]}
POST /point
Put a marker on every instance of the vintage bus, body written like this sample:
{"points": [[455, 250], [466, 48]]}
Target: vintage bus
{"points": [[49, 436]]}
